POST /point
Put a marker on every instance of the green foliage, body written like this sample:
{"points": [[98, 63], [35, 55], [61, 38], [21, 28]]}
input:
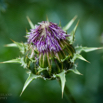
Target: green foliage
{"points": [[72, 34], [62, 79], [29, 79], [69, 24], [18, 60], [78, 56], [30, 23], [74, 70], [79, 49]]}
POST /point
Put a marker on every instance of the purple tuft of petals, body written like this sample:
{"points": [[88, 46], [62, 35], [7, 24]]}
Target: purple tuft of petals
{"points": [[46, 37]]}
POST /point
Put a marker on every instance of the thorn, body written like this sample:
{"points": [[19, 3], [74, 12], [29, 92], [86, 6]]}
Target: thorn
{"points": [[28, 18], [87, 61], [12, 40], [78, 22], [1, 62], [60, 23], [24, 36], [21, 93], [26, 30], [47, 18], [30, 23], [100, 48], [75, 17], [5, 45], [62, 95]]}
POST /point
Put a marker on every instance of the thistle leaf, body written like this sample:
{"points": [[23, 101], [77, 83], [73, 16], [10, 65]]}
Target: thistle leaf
{"points": [[82, 58], [41, 69], [30, 23], [63, 80], [74, 70], [23, 63], [11, 45], [21, 46], [18, 60], [28, 81], [62, 60], [72, 34], [79, 49], [78, 56], [69, 24]]}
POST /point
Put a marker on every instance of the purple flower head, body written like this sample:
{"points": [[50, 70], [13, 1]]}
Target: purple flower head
{"points": [[47, 37]]}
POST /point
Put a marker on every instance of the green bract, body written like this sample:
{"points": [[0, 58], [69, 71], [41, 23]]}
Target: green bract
{"points": [[49, 66]]}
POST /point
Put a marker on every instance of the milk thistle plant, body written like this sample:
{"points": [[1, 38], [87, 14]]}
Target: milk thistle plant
{"points": [[49, 52]]}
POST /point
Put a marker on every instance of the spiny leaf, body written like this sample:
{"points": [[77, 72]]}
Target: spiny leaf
{"points": [[63, 80], [41, 69], [11, 45], [23, 63], [69, 24], [78, 56], [31, 24], [79, 49], [18, 60], [21, 46], [82, 58], [72, 34], [75, 70], [62, 60], [29, 79]]}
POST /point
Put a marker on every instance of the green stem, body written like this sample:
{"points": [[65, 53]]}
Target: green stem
{"points": [[69, 95]]}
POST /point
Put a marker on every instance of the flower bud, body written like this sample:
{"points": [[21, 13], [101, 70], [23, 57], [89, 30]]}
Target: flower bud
{"points": [[49, 53], [54, 49]]}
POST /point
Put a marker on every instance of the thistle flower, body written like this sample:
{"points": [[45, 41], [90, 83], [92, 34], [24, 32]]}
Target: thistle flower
{"points": [[47, 37], [53, 46], [49, 52]]}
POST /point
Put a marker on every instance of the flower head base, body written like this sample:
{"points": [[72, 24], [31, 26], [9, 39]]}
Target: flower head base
{"points": [[47, 37]]}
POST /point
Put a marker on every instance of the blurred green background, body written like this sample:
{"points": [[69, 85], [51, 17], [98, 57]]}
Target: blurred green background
{"points": [[87, 88]]}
